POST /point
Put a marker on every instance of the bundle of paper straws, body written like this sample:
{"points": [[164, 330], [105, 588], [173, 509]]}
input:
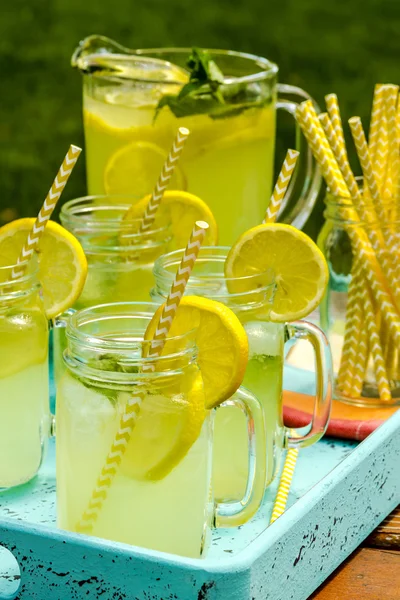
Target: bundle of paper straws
{"points": [[372, 331]]}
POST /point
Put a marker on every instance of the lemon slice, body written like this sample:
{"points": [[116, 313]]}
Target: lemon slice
{"points": [[167, 426], [181, 210], [301, 272], [221, 341], [169, 422], [134, 169], [62, 262]]}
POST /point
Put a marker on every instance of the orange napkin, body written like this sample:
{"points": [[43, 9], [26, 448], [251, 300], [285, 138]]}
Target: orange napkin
{"points": [[346, 421]]}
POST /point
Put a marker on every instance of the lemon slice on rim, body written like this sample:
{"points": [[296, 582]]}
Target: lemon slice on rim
{"points": [[220, 339], [62, 262], [301, 271], [169, 424], [181, 210], [134, 169]]}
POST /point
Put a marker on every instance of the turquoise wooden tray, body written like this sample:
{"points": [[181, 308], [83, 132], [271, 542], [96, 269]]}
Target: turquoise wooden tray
{"points": [[341, 491]]}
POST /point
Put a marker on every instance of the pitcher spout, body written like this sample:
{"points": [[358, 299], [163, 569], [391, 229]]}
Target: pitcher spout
{"points": [[97, 52]]}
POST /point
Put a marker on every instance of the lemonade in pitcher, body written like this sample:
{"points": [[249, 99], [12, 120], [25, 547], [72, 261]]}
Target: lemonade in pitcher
{"points": [[135, 100], [132, 108]]}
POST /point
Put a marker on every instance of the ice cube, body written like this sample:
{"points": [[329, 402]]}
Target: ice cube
{"points": [[88, 407], [265, 338]]}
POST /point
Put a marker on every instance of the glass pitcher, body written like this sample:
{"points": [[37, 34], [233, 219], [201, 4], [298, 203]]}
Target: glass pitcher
{"points": [[131, 112]]}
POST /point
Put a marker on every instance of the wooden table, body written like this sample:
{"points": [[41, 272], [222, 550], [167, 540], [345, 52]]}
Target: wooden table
{"points": [[372, 572]]}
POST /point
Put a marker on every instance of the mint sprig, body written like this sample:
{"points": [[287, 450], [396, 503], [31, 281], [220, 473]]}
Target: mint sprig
{"points": [[206, 93]]}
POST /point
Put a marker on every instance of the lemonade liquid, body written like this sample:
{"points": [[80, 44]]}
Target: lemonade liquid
{"points": [[168, 514], [116, 272], [263, 377], [227, 162], [24, 389], [168, 509]]}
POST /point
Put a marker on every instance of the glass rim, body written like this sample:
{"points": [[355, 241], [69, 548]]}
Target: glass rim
{"points": [[360, 182], [218, 252], [30, 271], [110, 311], [73, 213], [334, 201], [268, 68]]}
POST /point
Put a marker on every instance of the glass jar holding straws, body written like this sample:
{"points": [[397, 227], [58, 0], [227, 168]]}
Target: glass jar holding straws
{"points": [[361, 385], [361, 310]]}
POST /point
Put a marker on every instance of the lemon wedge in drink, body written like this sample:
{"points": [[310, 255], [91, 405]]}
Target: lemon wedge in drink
{"points": [[169, 423], [180, 210], [301, 272], [166, 428], [134, 169], [62, 262]]}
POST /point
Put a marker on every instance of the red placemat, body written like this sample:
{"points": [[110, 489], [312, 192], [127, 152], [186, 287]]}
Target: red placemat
{"points": [[346, 421]]}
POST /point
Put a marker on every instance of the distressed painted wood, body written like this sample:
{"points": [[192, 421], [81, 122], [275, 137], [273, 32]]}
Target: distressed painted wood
{"points": [[341, 492]]}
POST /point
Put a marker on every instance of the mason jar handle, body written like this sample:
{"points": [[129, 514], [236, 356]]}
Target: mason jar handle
{"points": [[324, 382], [297, 213], [233, 514]]}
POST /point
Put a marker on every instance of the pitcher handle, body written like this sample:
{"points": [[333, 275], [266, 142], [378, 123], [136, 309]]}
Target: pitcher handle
{"points": [[324, 384], [233, 514], [296, 213]]}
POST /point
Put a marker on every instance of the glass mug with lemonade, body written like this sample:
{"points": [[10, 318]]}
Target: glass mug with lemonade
{"points": [[252, 297], [135, 100], [161, 496], [31, 294], [24, 375], [120, 257]]}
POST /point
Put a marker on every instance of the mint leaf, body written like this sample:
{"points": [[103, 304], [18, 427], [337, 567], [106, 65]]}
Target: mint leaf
{"points": [[206, 93]]}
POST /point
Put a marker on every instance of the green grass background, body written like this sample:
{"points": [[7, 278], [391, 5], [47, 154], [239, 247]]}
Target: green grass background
{"points": [[342, 47]]}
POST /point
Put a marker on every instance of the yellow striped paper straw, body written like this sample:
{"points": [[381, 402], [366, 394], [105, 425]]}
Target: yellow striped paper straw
{"points": [[132, 409], [354, 324], [340, 154], [361, 244], [281, 186], [393, 165], [284, 484], [350, 380], [362, 354], [46, 211], [322, 151], [332, 106], [376, 348], [164, 178], [379, 163], [378, 109], [390, 241], [398, 120]]}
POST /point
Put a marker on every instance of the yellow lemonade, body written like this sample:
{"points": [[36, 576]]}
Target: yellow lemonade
{"points": [[135, 426], [24, 393], [263, 380], [164, 513], [227, 162]]}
